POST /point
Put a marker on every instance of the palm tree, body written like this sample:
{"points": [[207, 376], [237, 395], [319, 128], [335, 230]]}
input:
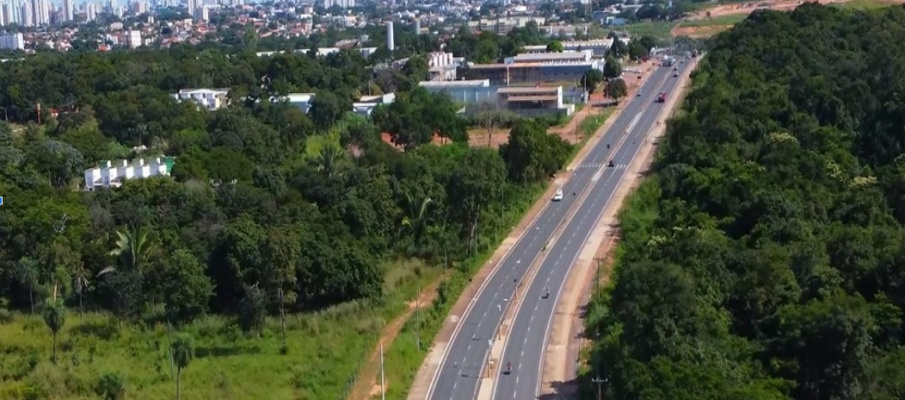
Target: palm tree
{"points": [[182, 350], [133, 249], [55, 318], [417, 217], [80, 283], [27, 273], [134, 246]]}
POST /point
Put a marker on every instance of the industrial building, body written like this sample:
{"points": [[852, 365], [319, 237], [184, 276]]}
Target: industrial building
{"points": [[528, 73], [597, 47], [525, 101]]}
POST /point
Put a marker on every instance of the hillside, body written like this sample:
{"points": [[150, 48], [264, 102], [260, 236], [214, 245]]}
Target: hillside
{"points": [[765, 258]]}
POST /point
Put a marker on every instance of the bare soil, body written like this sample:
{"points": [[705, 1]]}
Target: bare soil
{"points": [[744, 9], [366, 385]]}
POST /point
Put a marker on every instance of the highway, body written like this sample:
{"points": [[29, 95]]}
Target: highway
{"points": [[527, 341], [458, 377]]}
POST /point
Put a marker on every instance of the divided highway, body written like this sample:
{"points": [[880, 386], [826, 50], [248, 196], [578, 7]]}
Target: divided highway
{"points": [[458, 377], [527, 341]]}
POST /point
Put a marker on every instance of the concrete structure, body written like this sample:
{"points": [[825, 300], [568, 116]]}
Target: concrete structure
{"points": [[525, 101], [321, 51], [417, 26], [442, 66], [565, 57], [133, 39], [339, 3], [12, 42], [528, 72], [366, 105], [391, 42], [503, 25], [534, 101], [597, 47], [113, 174], [68, 11], [209, 99]]}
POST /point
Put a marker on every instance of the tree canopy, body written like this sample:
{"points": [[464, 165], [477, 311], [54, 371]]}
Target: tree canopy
{"points": [[766, 257], [268, 208]]}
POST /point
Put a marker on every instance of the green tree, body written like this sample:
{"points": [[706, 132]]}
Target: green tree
{"points": [[183, 351], [612, 68], [591, 79], [111, 386], [616, 89], [532, 155], [555, 47]]}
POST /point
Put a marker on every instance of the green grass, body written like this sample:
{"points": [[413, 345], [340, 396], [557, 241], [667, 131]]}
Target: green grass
{"points": [[863, 4], [657, 29], [325, 351], [716, 21], [593, 122]]}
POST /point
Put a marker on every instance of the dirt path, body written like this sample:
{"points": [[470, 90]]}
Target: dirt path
{"points": [[366, 384]]}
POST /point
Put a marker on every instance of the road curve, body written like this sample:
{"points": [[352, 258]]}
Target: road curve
{"points": [[526, 344], [458, 376]]}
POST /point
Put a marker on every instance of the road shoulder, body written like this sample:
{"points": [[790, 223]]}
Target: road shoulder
{"points": [[567, 333]]}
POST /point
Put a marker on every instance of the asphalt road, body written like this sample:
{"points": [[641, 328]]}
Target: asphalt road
{"points": [[530, 331], [458, 378]]}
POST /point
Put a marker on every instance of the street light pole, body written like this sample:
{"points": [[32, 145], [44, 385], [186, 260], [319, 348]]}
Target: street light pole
{"points": [[599, 383]]}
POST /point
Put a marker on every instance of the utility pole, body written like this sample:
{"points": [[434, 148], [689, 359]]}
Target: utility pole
{"points": [[599, 383], [597, 274], [418, 320], [383, 395]]}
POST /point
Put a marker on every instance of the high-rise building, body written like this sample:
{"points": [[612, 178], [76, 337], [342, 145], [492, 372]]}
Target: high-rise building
{"points": [[91, 10], [391, 43], [340, 3], [67, 10], [417, 26]]}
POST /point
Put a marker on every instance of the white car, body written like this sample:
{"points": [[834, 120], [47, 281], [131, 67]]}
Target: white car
{"points": [[558, 195]]}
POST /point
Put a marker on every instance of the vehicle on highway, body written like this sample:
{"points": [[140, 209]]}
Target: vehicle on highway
{"points": [[611, 164], [661, 98], [558, 195], [675, 75], [508, 368], [638, 94]]}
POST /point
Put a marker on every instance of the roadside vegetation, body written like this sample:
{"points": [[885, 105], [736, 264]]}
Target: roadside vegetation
{"points": [[272, 258], [765, 257]]}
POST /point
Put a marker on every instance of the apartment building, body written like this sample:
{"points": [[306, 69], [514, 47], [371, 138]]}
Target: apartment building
{"points": [[112, 174], [209, 99], [12, 42]]}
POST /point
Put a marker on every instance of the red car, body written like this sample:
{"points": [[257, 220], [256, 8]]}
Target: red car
{"points": [[661, 98]]}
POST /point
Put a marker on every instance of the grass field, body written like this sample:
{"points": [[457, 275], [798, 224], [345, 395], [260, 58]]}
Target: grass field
{"points": [[595, 121], [325, 350], [656, 29], [716, 21], [865, 4]]}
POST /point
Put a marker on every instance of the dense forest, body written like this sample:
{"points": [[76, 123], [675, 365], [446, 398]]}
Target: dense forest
{"points": [[765, 259], [267, 207]]}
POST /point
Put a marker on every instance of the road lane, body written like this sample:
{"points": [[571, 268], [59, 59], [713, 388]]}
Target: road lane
{"points": [[458, 376], [526, 344]]}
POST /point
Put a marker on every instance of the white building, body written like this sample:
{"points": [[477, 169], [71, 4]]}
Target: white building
{"points": [[109, 174], [340, 3], [12, 42], [133, 39], [300, 100], [367, 104], [209, 99]]}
